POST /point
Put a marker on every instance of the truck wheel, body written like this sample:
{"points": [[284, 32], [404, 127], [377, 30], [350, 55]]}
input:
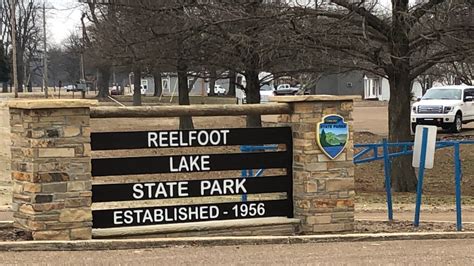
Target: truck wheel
{"points": [[413, 127], [456, 127]]}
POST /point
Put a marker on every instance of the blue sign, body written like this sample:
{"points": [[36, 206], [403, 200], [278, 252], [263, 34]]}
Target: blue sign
{"points": [[332, 135]]}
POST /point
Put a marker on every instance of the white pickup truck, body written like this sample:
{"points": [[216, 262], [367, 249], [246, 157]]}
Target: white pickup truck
{"points": [[286, 89], [448, 107]]}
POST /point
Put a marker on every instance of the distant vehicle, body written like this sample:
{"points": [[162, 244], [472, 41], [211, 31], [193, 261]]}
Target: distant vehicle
{"points": [[448, 107], [286, 89], [143, 89], [116, 90], [218, 89], [69, 88], [266, 91], [76, 87]]}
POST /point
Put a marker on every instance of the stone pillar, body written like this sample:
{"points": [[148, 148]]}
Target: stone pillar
{"points": [[51, 168], [4, 144], [323, 189]]}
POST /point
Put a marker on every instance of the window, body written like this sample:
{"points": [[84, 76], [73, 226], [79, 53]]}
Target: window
{"points": [[443, 94], [469, 92]]}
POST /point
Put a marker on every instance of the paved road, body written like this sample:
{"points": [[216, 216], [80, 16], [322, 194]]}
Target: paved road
{"points": [[439, 252]]}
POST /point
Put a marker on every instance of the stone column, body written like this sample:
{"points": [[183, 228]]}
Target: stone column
{"points": [[51, 168], [323, 189], [4, 143]]}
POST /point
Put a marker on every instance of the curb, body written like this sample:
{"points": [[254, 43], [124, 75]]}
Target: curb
{"points": [[220, 241], [6, 225]]}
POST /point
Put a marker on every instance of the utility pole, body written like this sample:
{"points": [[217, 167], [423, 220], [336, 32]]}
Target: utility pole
{"points": [[83, 44], [13, 24], [45, 53]]}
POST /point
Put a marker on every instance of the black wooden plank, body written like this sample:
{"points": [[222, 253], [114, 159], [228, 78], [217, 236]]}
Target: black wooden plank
{"points": [[189, 213], [235, 136], [216, 162], [189, 188]]}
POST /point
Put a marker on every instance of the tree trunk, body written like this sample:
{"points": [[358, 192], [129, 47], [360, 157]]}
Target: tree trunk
{"points": [[137, 82], [103, 81], [212, 83], [20, 70], [403, 174], [252, 92], [158, 83], [232, 80], [5, 87], [185, 122]]}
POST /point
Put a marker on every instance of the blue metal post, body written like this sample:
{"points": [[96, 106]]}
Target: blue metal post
{"points": [[244, 175], [388, 185], [457, 164], [421, 173]]}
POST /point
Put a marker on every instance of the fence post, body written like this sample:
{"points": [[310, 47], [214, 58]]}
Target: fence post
{"points": [[51, 168], [388, 180], [458, 177], [323, 189]]}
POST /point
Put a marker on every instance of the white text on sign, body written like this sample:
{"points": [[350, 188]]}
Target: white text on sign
{"points": [[190, 163], [187, 138], [181, 189]]}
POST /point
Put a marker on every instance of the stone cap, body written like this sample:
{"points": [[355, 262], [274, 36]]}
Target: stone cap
{"points": [[314, 98], [51, 104]]}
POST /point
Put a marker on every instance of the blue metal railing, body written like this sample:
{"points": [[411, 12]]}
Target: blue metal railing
{"points": [[381, 151], [371, 152]]}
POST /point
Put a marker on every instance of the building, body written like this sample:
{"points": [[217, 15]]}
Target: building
{"points": [[369, 86]]}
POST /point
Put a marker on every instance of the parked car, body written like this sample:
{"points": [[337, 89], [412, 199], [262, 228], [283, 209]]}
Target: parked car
{"points": [[287, 89], [143, 89], [76, 87], [218, 89], [448, 107], [116, 90], [265, 92], [69, 88]]}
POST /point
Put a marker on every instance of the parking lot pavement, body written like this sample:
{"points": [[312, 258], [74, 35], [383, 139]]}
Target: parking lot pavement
{"points": [[438, 252]]}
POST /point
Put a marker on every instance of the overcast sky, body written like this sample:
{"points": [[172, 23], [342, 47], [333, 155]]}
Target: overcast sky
{"points": [[66, 15], [63, 19]]}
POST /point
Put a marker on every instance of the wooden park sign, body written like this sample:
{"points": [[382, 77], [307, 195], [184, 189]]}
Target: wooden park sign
{"points": [[192, 163]]}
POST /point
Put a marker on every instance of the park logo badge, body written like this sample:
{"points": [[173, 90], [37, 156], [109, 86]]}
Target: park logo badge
{"points": [[332, 135]]}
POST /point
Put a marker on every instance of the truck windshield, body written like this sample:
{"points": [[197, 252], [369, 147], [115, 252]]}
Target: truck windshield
{"points": [[443, 94]]}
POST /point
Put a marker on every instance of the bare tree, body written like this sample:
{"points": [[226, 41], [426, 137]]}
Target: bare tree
{"points": [[400, 45], [27, 34], [4, 68], [130, 33], [249, 37]]}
